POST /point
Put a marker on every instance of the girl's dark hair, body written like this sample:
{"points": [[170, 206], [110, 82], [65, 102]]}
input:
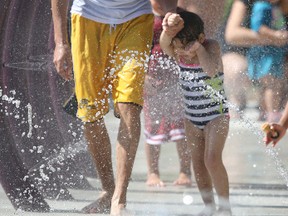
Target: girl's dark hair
{"points": [[193, 27]]}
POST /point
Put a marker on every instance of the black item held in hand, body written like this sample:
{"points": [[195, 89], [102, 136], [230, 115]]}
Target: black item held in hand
{"points": [[71, 105]]}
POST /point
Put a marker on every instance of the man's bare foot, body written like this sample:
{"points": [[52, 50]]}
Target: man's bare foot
{"points": [[124, 212], [183, 180], [153, 180], [120, 210], [101, 206]]}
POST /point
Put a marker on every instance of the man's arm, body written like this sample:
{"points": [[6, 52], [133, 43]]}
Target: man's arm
{"points": [[161, 7], [62, 53], [210, 11]]}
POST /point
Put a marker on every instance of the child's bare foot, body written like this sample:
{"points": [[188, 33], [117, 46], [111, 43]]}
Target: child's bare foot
{"points": [[207, 211], [101, 206], [154, 180], [223, 212], [183, 180]]}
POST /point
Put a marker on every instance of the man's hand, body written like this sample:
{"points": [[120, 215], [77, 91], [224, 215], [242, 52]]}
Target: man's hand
{"points": [[172, 24], [63, 60]]}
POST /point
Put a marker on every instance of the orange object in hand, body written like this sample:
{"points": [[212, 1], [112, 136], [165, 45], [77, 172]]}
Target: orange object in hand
{"points": [[267, 129]]}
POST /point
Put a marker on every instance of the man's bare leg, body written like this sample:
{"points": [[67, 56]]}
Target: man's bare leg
{"points": [[185, 159], [128, 140], [100, 149], [153, 155]]}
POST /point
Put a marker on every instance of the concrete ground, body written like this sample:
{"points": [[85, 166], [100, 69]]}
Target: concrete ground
{"points": [[258, 179]]}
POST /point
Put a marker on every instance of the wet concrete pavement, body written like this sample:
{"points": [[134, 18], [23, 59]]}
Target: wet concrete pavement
{"points": [[257, 175]]}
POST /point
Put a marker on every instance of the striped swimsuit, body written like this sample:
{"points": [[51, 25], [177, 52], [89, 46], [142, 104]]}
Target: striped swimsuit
{"points": [[204, 96]]}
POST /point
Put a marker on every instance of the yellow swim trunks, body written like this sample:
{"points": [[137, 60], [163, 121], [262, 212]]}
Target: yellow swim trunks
{"points": [[109, 59]]}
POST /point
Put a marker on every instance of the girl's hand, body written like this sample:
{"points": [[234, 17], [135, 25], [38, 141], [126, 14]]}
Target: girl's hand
{"points": [[281, 38], [192, 47], [172, 24], [173, 19], [275, 128]]}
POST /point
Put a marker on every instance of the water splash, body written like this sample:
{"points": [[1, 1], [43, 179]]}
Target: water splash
{"points": [[68, 151], [47, 164], [29, 108], [43, 62], [272, 153]]}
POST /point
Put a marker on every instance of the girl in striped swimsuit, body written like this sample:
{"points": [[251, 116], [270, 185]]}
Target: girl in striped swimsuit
{"points": [[206, 112]]}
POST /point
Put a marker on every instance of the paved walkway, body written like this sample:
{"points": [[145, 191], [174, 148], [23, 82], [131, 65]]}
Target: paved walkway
{"points": [[257, 179]]}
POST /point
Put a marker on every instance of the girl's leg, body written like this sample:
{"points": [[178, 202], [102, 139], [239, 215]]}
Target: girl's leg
{"points": [[215, 134], [235, 71], [153, 155], [272, 97], [195, 138], [184, 153], [262, 105]]}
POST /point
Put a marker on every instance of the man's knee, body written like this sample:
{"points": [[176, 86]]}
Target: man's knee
{"points": [[127, 108]]}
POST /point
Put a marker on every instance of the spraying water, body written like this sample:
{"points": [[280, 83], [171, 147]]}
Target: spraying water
{"points": [[281, 168]]}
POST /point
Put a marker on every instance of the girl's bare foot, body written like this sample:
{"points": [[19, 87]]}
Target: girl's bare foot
{"points": [[154, 180], [183, 180], [223, 212], [101, 206], [207, 211]]}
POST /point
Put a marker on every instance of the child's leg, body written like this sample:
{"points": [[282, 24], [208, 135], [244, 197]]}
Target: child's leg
{"points": [[235, 71], [195, 138], [153, 154], [261, 104], [184, 153], [272, 97], [215, 136]]}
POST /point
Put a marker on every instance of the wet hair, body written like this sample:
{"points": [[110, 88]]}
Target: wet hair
{"points": [[193, 27]]}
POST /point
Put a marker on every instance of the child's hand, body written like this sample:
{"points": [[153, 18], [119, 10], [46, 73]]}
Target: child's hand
{"points": [[172, 24], [192, 47], [281, 38], [173, 19], [273, 133]]}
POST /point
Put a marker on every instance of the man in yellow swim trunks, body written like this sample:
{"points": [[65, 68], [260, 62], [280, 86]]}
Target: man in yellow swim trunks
{"points": [[111, 41]]}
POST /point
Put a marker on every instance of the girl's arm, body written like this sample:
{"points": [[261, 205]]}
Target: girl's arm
{"points": [[209, 56], [276, 35], [166, 44], [280, 128], [238, 35], [261, 18], [284, 119], [172, 24], [235, 33]]}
